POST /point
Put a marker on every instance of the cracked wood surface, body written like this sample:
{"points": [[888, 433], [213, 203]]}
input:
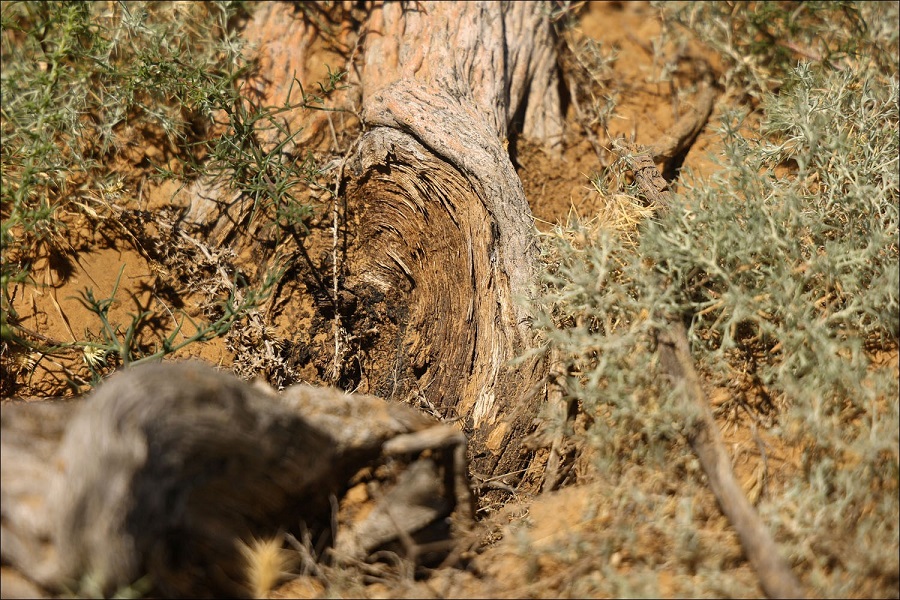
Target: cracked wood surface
{"points": [[445, 249], [437, 244]]}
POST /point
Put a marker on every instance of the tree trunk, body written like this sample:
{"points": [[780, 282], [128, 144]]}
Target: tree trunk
{"points": [[441, 245], [436, 253], [437, 260]]}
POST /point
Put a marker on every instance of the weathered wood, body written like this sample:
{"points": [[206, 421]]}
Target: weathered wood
{"points": [[167, 469], [442, 253], [437, 248], [499, 59], [684, 132]]}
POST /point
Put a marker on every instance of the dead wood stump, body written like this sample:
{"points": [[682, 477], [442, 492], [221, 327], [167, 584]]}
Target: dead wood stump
{"points": [[430, 276], [441, 248]]}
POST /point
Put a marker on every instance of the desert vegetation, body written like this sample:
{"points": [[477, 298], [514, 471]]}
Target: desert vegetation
{"points": [[176, 184]]}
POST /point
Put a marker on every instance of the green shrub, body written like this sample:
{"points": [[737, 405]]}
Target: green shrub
{"points": [[784, 263], [80, 81]]}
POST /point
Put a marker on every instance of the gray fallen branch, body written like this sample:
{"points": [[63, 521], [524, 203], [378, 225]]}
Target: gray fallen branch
{"points": [[167, 469], [776, 577], [679, 138]]}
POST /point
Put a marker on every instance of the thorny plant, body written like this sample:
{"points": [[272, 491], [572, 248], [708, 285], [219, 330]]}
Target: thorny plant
{"points": [[108, 73], [101, 70], [762, 41], [266, 171], [785, 264], [112, 341]]}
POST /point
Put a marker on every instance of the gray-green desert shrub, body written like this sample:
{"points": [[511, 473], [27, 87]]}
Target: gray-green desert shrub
{"points": [[81, 81], [784, 263]]}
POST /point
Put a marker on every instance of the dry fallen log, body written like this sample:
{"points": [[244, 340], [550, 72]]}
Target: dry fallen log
{"points": [[166, 471]]}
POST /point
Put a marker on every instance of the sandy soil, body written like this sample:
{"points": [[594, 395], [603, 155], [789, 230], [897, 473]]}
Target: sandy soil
{"points": [[515, 551]]}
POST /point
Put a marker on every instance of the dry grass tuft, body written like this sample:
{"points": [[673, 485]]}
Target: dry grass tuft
{"points": [[268, 564]]}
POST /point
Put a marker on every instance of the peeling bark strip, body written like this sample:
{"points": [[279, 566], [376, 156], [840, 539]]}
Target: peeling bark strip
{"points": [[445, 248]]}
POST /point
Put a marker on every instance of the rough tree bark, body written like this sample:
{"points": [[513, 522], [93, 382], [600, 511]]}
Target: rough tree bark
{"points": [[440, 244], [438, 247], [438, 255]]}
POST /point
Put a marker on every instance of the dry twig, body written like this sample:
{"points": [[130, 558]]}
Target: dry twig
{"points": [[776, 577]]}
